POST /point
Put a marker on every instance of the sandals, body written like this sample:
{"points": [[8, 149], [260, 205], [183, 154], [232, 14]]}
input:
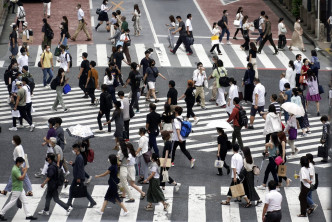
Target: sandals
{"points": [[225, 203], [142, 197], [148, 207], [301, 215], [247, 205], [29, 194], [166, 206], [3, 192]]}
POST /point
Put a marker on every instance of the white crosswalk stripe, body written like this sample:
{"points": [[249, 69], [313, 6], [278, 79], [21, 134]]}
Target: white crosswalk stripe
{"points": [[81, 113], [164, 58], [196, 200]]}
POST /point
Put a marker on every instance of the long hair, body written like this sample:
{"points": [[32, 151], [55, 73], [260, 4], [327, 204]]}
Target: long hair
{"points": [[137, 9], [291, 63], [274, 138], [245, 18], [247, 154], [155, 158], [239, 10], [311, 75], [60, 71], [171, 18], [253, 46], [124, 149], [131, 149]]}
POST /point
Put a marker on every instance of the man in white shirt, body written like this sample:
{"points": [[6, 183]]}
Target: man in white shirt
{"points": [[199, 76], [125, 107], [64, 59], [177, 139], [282, 82], [258, 98], [298, 66], [81, 24], [23, 59], [28, 101], [189, 27], [272, 207], [261, 27]]}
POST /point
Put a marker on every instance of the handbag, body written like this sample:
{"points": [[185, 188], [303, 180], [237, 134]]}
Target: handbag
{"points": [[278, 160], [133, 18], [282, 170], [98, 10], [66, 89], [242, 174], [283, 30], [57, 51], [218, 163], [236, 22], [91, 83], [321, 151], [292, 133], [79, 191], [237, 190], [39, 63], [256, 170], [241, 96], [147, 156], [165, 176], [320, 89], [190, 40], [168, 161]]}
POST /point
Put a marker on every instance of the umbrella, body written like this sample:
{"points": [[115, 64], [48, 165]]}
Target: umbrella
{"points": [[220, 124], [293, 108], [81, 132]]}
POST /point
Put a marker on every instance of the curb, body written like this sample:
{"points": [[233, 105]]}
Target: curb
{"points": [[292, 18], [3, 19]]}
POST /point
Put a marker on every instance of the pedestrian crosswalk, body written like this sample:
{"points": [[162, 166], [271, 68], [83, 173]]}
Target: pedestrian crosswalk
{"points": [[232, 55], [193, 198], [202, 139]]}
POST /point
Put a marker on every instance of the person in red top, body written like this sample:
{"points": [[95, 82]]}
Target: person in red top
{"points": [[235, 118], [304, 71]]}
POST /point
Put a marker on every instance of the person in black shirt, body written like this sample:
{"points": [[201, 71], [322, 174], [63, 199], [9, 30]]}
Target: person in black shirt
{"points": [[83, 75], [224, 27], [182, 37], [104, 108], [166, 152], [189, 96], [52, 186], [222, 150], [116, 73], [153, 120], [172, 95], [118, 57], [145, 62], [134, 80], [13, 42]]}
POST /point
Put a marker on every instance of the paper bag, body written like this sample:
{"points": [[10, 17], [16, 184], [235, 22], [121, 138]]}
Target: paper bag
{"points": [[282, 170], [237, 190], [168, 162]]}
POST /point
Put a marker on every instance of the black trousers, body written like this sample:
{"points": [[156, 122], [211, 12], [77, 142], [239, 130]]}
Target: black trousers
{"points": [[245, 45], [100, 115], [182, 39], [53, 193], [134, 98], [28, 109], [91, 93], [271, 168], [282, 41], [297, 80], [215, 46], [190, 111], [269, 37], [82, 83], [182, 147], [23, 113], [303, 199], [274, 216], [237, 30], [126, 128]]}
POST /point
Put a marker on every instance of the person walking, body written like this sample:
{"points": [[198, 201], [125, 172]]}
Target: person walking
{"points": [[64, 59], [113, 21], [215, 38], [23, 59], [82, 24], [143, 148], [47, 8], [12, 4], [272, 204], [304, 73], [150, 77], [232, 93], [28, 100], [305, 123], [218, 73], [248, 182], [297, 100], [155, 194], [261, 26], [104, 108], [282, 82], [83, 75], [125, 106], [281, 34], [313, 92], [118, 57], [282, 153], [46, 61], [314, 63], [61, 81], [312, 173], [171, 27], [291, 126], [252, 57], [298, 67], [258, 98], [291, 74], [248, 83], [199, 78], [117, 34], [325, 138], [267, 36], [20, 15], [153, 121], [189, 96], [103, 16], [182, 37], [305, 186], [13, 45], [117, 117], [177, 139], [124, 24], [134, 79], [297, 40], [245, 27], [52, 186], [64, 34], [239, 17], [112, 191], [172, 95], [223, 23], [214, 93], [235, 117], [272, 123], [167, 119], [17, 191], [222, 150], [125, 38], [136, 19], [79, 176], [48, 34], [286, 97], [92, 82]]}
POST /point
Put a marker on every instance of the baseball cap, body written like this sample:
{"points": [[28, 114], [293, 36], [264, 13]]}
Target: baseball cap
{"points": [[18, 83]]}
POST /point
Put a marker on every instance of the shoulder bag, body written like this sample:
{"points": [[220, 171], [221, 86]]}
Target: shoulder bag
{"points": [[39, 63]]}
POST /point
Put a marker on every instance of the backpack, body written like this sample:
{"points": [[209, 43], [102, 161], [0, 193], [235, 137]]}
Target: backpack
{"points": [[91, 155], [21, 15], [221, 23], [49, 33], [185, 128], [316, 65], [109, 104], [223, 81], [256, 23], [54, 83], [71, 59], [138, 79], [243, 119], [61, 177]]}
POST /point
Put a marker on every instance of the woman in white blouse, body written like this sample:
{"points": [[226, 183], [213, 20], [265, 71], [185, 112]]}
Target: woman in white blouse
{"points": [[215, 38], [232, 93], [239, 17], [305, 185], [143, 148], [103, 16], [291, 74], [136, 19], [282, 34]]}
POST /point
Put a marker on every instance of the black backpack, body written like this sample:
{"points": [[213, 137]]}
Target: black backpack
{"points": [[60, 177], [221, 23], [256, 23], [138, 79], [243, 119], [223, 81], [71, 59], [49, 33], [109, 101]]}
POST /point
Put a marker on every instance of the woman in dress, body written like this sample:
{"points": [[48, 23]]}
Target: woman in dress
{"points": [[150, 77], [291, 74], [64, 35], [136, 20], [143, 147], [155, 194], [252, 57], [215, 38], [118, 118], [282, 34], [282, 153], [103, 16], [248, 83], [291, 124], [232, 93], [313, 92], [222, 150], [249, 183], [189, 96], [167, 119], [297, 40], [112, 191], [305, 185], [239, 17], [171, 28], [246, 25], [304, 72]]}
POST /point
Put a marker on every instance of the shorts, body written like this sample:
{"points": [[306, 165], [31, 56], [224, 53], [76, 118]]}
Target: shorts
{"points": [[253, 111], [131, 173], [152, 85]]}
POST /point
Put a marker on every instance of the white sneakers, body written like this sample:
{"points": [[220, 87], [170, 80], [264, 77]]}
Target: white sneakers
{"points": [[13, 129], [192, 163], [196, 121], [32, 127], [125, 214], [89, 180], [69, 210], [98, 212], [44, 213], [67, 173], [177, 187], [261, 187]]}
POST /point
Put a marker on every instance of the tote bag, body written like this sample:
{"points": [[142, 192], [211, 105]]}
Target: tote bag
{"points": [[237, 190], [165, 176]]}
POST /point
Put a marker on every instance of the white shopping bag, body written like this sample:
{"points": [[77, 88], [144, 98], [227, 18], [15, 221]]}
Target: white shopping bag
{"points": [[16, 113]]}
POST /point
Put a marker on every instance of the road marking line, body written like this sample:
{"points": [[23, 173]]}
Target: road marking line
{"points": [[265, 60], [98, 194], [183, 58], [39, 52], [224, 57], [92, 21], [259, 209], [117, 6], [80, 49], [203, 16], [58, 213], [90, 4], [242, 55], [282, 57], [101, 55], [196, 204], [231, 212], [2, 63], [150, 22], [292, 195], [140, 51], [324, 194], [159, 213], [202, 56], [132, 207]]}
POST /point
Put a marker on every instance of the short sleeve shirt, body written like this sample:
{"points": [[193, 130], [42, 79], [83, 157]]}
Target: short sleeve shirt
{"points": [[118, 56], [217, 73], [80, 14], [305, 174], [188, 24], [177, 126], [151, 71], [47, 57], [13, 35], [168, 146], [51, 133], [260, 90], [183, 31], [124, 25], [143, 143], [145, 63], [58, 151], [86, 67], [190, 95], [153, 119], [21, 93], [225, 19], [17, 185], [173, 94], [273, 199], [237, 163], [132, 77], [154, 168]]}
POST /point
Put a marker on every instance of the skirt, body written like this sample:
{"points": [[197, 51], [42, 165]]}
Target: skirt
{"points": [[304, 121], [315, 98], [249, 187], [103, 17], [112, 194], [155, 194]]}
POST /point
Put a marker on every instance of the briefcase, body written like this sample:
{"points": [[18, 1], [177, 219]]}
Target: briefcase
{"points": [[79, 191], [237, 190]]}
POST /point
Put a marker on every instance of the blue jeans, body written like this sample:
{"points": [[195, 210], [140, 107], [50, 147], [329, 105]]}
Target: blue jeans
{"points": [[64, 42], [153, 141], [223, 33], [50, 73], [309, 199], [286, 116], [259, 39]]}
